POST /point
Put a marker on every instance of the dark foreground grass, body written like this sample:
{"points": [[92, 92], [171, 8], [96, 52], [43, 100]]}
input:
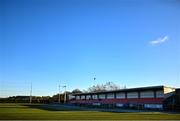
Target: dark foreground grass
{"points": [[37, 112]]}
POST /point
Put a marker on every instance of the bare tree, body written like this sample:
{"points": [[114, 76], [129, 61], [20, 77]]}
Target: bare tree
{"points": [[104, 87], [111, 86], [76, 91]]}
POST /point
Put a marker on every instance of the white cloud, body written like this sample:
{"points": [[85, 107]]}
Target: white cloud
{"points": [[159, 40]]}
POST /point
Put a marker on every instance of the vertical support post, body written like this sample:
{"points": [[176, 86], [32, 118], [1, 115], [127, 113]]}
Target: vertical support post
{"points": [[125, 95], [155, 94], [139, 95], [105, 95], [30, 98], [65, 94]]}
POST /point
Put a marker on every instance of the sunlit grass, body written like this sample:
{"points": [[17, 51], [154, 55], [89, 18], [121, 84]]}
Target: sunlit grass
{"points": [[36, 112]]}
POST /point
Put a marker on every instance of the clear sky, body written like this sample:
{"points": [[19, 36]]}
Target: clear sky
{"points": [[47, 42]]}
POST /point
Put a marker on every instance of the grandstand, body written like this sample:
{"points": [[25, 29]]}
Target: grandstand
{"points": [[139, 98]]}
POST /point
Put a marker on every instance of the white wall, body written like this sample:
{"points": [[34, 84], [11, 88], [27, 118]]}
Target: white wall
{"points": [[88, 97], [94, 96], [71, 97], [153, 106], [110, 96], [132, 95], [147, 94], [120, 95], [102, 96], [82, 97], [77, 97], [168, 90], [119, 104], [96, 104]]}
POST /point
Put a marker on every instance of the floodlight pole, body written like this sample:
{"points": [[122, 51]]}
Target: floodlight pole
{"points": [[65, 94], [59, 95], [30, 98]]}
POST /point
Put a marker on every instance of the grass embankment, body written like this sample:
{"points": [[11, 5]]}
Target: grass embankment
{"points": [[41, 112]]}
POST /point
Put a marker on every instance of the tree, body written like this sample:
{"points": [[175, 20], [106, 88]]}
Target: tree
{"points": [[75, 91], [104, 87], [111, 86]]}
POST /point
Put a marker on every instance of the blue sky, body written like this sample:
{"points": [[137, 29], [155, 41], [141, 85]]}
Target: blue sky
{"points": [[47, 42]]}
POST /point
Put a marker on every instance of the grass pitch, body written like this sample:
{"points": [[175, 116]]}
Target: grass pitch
{"points": [[42, 112]]}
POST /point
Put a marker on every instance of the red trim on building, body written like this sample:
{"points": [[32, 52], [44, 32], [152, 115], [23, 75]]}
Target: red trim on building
{"points": [[132, 101]]}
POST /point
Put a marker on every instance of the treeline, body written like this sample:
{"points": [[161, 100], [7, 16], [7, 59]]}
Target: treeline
{"points": [[35, 99], [60, 98]]}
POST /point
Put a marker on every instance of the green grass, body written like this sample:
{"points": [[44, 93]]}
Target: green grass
{"points": [[37, 112]]}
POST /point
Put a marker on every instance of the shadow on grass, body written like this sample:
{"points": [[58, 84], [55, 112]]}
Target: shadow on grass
{"points": [[60, 107], [56, 107]]}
